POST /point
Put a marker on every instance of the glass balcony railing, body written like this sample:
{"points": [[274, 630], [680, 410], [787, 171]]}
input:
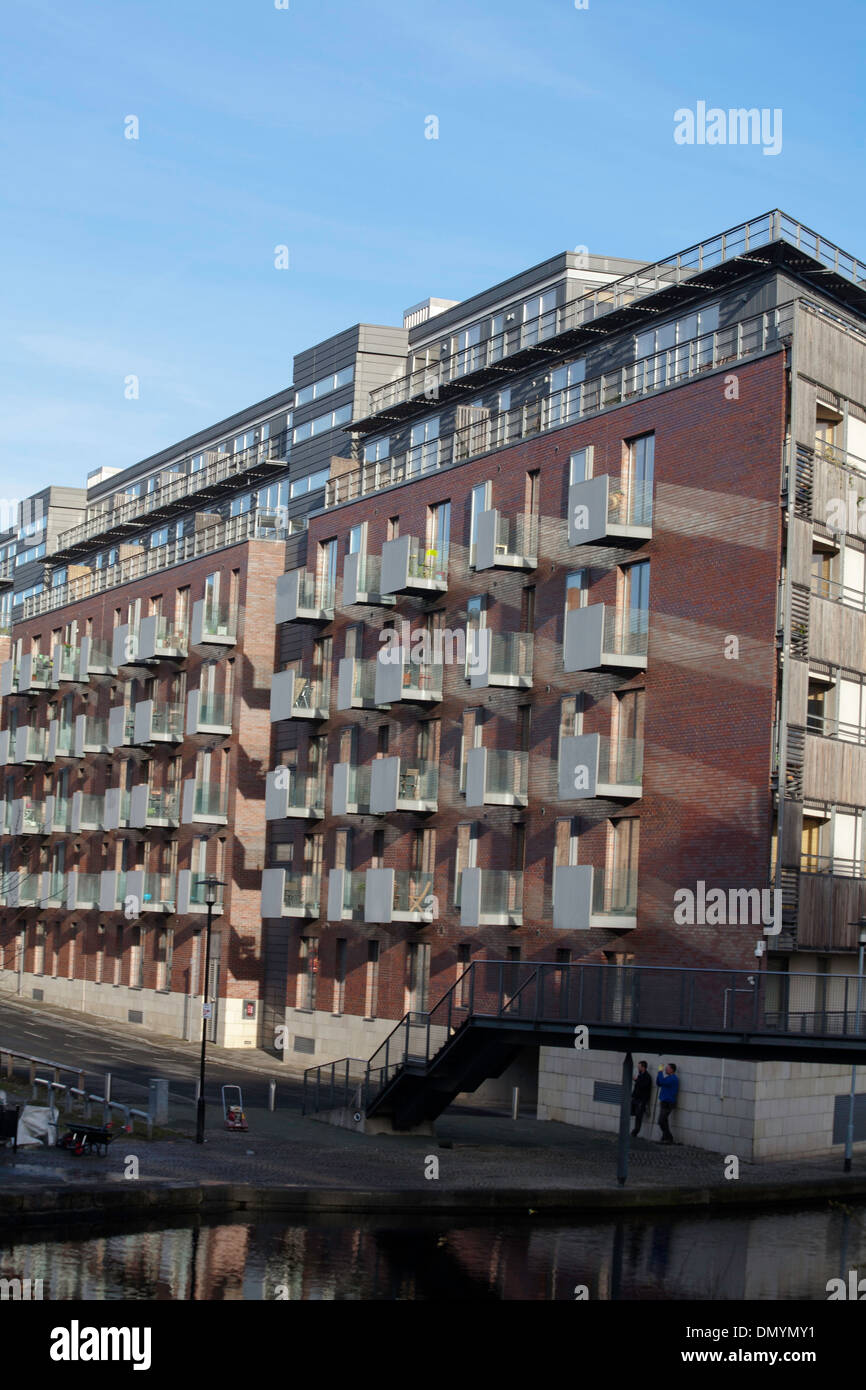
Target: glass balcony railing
{"points": [[510, 658], [90, 812], [507, 775], [66, 662], [354, 891], [516, 538], [310, 699], [93, 735], [31, 745], [96, 661], [358, 790], [218, 623], [413, 894], [159, 893], [427, 562], [167, 723], [630, 504], [499, 896], [53, 889], [163, 807], [364, 681], [61, 817], [417, 781], [614, 892], [31, 816], [210, 801], [369, 581], [169, 640], [421, 680], [41, 672], [626, 631], [199, 893], [86, 889], [315, 593], [300, 895], [304, 793], [214, 711], [61, 739], [620, 761]]}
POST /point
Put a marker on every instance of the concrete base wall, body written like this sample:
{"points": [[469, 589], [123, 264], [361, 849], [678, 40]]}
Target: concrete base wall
{"points": [[754, 1110]]}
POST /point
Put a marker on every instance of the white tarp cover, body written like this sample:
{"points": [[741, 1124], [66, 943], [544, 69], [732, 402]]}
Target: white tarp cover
{"points": [[37, 1124]]}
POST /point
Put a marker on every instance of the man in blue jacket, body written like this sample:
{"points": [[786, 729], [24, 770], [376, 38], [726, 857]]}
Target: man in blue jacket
{"points": [[669, 1084]]}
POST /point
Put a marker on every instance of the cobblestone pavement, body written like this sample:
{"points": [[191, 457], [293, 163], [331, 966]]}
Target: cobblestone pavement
{"points": [[474, 1150]]}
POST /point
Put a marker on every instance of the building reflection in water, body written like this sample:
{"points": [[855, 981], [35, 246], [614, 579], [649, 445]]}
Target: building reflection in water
{"points": [[784, 1255]]}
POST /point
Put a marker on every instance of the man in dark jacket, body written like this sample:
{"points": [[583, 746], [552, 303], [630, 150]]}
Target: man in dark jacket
{"points": [[669, 1084], [640, 1096]]}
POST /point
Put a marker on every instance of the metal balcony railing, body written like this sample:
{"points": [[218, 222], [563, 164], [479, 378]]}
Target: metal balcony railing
{"points": [[837, 592], [839, 866], [750, 336]]}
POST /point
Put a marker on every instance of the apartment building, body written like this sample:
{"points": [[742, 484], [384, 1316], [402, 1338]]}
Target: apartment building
{"points": [[574, 666]]}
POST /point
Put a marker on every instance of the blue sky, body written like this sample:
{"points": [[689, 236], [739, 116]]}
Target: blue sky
{"points": [[305, 126]]}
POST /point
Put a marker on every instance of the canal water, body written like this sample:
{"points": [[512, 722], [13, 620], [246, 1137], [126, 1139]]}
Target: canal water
{"points": [[780, 1255]]}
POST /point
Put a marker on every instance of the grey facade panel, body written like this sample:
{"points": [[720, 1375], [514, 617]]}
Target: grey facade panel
{"points": [[336, 892], [273, 882], [587, 510], [395, 564], [340, 789], [384, 781], [572, 897], [578, 766], [581, 647], [485, 539], [379, 895], [282, 695], [476, 776]]}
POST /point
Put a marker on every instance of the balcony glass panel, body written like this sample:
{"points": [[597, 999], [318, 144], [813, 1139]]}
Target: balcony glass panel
{"points": [[517, 535], [620, 761], [427, 562], [507, 773], [418, 780], [168, 721], [87, 890], [301, 893], [199, 893], [218, 621], [91, 811], [626, 631], [170, 639], [632, 506], [511, 655], [614, 892], [211, 799], [413, 893], [215, 710], [163, 805], [32, 817], [67, 662], [159, 892]]}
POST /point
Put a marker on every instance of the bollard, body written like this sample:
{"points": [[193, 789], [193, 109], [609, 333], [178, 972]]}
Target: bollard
{"points": [[515, 1102], [157, 1100], [272, 1095], [106, 1098]]}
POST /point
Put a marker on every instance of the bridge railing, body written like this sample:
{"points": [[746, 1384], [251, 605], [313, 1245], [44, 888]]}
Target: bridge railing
{"points": [[704, 1001]]}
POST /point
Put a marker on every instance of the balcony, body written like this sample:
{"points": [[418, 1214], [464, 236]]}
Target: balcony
{"points": [[58, 815], [121, 727], [506, 542], [88, 812], [158, 723], [28, 816], [585, 896], [491, 897], [92, 735], [362, 580], [289, 793], [82, 891], [36, 673], [396, 786], [61, 741], [94, 659], [356, 683], [499, 658], [8, 678], [23, 889], [410, 567], [125, 648], [293, 696], [159, 639], [496, 778], [213, 629], [31, 745], [116, 809], [350, 790], [207, 803], [302, 597], [288, 894], [346, 893], [66, 663], [54, 889], [594, 765], [399, 677], [192, 893], [599, 637], [207, 713], [398, 895], [153, 808], [150, 892], [605, 509]]}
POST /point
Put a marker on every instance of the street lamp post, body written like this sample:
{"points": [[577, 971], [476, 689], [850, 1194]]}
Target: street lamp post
{"points": [[210, 886], [849, 1137]]}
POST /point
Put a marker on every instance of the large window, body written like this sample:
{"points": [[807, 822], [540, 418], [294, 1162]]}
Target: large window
{"points": [[564, 403], [377, 449], [423, 451], [480, 503], [324, 385], [322, 423]]}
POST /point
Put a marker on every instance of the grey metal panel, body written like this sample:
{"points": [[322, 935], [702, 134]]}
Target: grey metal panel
{"points": [[143, 725], [351, 568], [379, 895], [395, 564], [282, 695], [7, 673], [587, 510], [53, 731], [476, 776], [578, 766], [80, 730], [389, 678], [4, 747], [83, 659], [277, 794], [193, 700], [116, 720], [75, 817], [56, 662], [187, 803], [479, 644], [108, 890], [336, 890], [572, 897], [384, 780], [184, 886], [345, 681], [147, 636], [286, 606], [138, 806], [111, 818], [26, 671], [72, 885], [581, 647], [21, 735], [49, 811], [273, 887], [133, 901], [485, 538], [340, 789], [470, 897], [121, 649], [196, 626]]}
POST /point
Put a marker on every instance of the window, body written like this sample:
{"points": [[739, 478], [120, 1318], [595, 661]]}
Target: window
{"points": [[423, 452], [300, 486], [371, 984], [571, 715], [464, 961], [340, 975], [639, 480], [470, 738], [524, 716], [564, 403], [240, 505], [539, 318], [324, 385], [576, 589], [637, 596], [566, 841], [357, 542], [480, 502], [375, 450], [476, 620], [465, 350], [438, 534], [322, 423], [465, 854], [308, 970], [620, 887], [417, 985]]}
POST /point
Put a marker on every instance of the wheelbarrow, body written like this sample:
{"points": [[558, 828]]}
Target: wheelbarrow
{"points": [[86, 1139], [233, 1109]]}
